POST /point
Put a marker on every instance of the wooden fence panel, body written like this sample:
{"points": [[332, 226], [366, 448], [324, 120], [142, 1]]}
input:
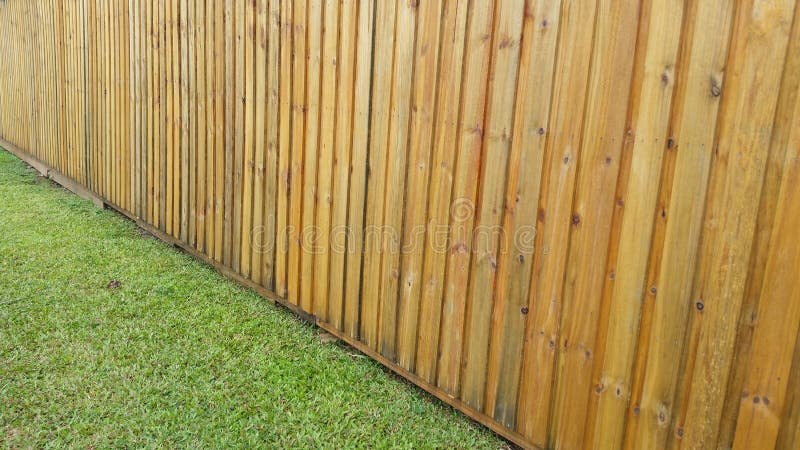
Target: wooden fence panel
{"points": [[572, 220]]}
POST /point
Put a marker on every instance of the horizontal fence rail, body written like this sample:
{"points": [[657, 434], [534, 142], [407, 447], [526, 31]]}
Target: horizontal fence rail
{"points": [[576, 221]]}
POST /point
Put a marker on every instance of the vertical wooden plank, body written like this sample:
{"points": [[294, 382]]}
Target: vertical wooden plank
{"points": [[285, 149], [139, 116], [704, 59], [5, 50], [25, 63], [515, 258], [68, 86], [554, 224], [238, 130], [44, 61], [32, 79], [8, 72], [136, 120], [59, 30], [78, 86], [69, 21], [57, 80], [162, 115], [14, 45], [53, 81], [105, 152], [19, 54], [74, 90], [764, 392], [57, 87], [790, 89], [141, 149], [299, 55], [119, 106], [48, 69], [249, 131], [358, 167], [171, 125], [86, 98], [169, 117], [127, 99], [650, 127], [122, 99], [346, 62], [39, 79], [396, 158], [175, 65], [448, 107], [423, 117], [36, 79], [103, 111], [23, 71], [103, 107], [600, 188], [230, 121], [116, 107], [191, 57], [221, 119], [8, 75], [5, 70], [492, 180], [184, 176], [5, 74], [41, 73], [158, 117], [23, 105], [760, 37], [14, 50], [45, 72], [140, 101], [208, 128], [177, 122], [117, 102], [379, 127], [327, 148], [259, 128], [149, 148], [308, 230], [109, 96], [462, 205], [202, 128], [271, 127]]}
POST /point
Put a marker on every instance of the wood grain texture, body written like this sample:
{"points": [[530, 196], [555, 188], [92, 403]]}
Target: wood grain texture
{"points": [[574, 221]]}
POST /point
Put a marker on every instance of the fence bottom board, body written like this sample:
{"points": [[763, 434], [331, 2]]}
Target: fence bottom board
{"points": [[73, 186]]}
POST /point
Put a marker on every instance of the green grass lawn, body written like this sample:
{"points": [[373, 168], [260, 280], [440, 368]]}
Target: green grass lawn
{"points": [[176, 356]]}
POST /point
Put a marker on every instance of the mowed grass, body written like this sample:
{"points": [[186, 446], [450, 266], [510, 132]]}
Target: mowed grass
{"points": [[176, 355]]}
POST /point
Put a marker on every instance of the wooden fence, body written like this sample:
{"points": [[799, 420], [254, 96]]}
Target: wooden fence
{"points": [[576, 221]]}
